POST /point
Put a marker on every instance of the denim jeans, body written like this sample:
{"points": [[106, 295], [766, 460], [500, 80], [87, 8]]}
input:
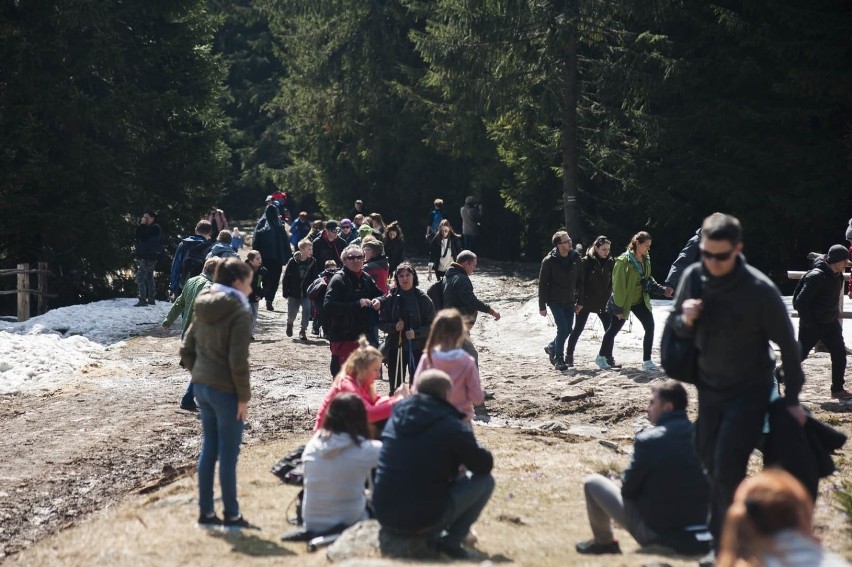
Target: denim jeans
{"points": [[145, 278], [645, 317], [468, 497], [293, 305], [564, 317], [223, 433]]}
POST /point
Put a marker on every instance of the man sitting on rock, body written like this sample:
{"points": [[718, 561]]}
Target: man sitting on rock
{"points": [[664, 493], [419, 490]]}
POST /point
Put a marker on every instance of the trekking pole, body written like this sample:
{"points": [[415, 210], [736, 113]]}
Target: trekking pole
{"points": [[410, 363], [399, 364]]}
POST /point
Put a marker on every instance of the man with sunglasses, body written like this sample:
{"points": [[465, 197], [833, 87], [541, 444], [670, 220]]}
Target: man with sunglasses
{"points": [[732, 316], [347, 305]]}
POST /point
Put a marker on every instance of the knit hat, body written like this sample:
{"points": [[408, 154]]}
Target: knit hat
{"points": [[837, 253], [376, 246], [331, 225], [364, 230], [849, 230], [345, 222]]}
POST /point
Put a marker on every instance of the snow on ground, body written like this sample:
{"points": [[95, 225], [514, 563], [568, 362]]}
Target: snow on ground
{"points": [[46, 351]]}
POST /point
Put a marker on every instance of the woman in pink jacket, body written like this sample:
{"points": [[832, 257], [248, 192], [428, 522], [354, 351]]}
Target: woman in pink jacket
{"points": [[358, 376]]}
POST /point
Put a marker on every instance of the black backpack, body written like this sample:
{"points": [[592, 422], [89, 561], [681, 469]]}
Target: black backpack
{"points": [[436, 294], [798, 290], [193, 259]]}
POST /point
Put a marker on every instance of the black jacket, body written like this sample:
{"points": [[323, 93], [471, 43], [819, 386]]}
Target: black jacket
{"points": [[458, 292], [293, 284], [258, 281], [325, 250], [395, 251], [149, 244], [804, 452], [415, 308], [688, 256], [344, 318], [270, 238], [435, 247], [742, 312], [665, 478], [559, 281], [818, 296], [423, 444], [597, 283]]}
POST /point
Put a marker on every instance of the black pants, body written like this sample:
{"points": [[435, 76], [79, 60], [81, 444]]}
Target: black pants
{"points": [[831, 336], [645, 317], [272, 280], [580, 323], [729, 426]]}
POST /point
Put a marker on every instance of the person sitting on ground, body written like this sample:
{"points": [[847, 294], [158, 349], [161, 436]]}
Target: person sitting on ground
{"points": [[222, 248], [338, 460], [358, 376], [663, 490], [443, 351], [419, 490], [301, 271], [770, 523]]}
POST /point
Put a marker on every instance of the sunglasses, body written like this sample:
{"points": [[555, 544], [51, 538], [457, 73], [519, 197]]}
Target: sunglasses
{"points": [[354, 257], [719, 257]]}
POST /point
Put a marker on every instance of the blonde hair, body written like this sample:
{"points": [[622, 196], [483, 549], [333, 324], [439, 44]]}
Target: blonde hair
{"points": [[358, 363], [447, 332], [764, 505]]}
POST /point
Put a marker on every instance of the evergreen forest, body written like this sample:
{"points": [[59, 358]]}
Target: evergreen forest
{"points": [[605, 117]]}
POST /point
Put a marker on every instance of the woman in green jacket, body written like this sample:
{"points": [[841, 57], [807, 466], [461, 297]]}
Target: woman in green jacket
{"points": [[632, 284]]}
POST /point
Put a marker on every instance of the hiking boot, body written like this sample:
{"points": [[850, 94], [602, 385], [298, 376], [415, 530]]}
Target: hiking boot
{"points": [[841, 395], [591, 547], [649, 366], [141, 303], [289, 329], [453, 551], [559, 364], [611, 361], [209, 522], [303, 336], [151, 302], [602, 363], [569, 360], [550, 353], [269, 306], [238, 523]]}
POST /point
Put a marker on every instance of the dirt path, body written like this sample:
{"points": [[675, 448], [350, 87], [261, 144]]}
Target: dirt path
{"points": [[115, 428]]}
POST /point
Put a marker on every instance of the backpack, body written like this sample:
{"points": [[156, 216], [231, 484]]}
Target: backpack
{"points": [[317, 289], [193, 259], [796, 292], [436, 294]]}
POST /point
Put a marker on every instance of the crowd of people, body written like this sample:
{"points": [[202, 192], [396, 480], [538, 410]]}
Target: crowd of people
{"points": [[414, 449]]}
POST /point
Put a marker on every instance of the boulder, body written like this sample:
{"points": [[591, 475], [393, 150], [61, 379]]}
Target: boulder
{"points": [[574, 394], [368, 540]]}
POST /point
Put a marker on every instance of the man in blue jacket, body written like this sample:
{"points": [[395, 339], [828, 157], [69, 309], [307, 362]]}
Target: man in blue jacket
{"points": [[418, 487], [663, 490]]}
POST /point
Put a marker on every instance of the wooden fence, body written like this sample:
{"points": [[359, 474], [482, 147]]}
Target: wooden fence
{"points": [[23, 290]]}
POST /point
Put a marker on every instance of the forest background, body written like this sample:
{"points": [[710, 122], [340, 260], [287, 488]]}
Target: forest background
{"points": [[607, 117]]}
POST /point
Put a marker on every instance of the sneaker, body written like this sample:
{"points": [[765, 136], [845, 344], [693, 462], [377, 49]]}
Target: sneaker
{"points": [[141, 303], [649, 366], [269, 306], [289, 329], [303, 336], [611, 361], [569, 360], [209, 522], [841, 395], [471, 537], [550, 353], [238, 523], [591, 547], [602, 363], [559, 364]]}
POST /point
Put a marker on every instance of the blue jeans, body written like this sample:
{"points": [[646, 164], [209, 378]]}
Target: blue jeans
{"points": [[468, 497], [564, 317], [223, 433]]}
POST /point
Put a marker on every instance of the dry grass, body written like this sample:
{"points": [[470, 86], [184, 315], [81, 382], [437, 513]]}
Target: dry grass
{"points": [[534, 518]]}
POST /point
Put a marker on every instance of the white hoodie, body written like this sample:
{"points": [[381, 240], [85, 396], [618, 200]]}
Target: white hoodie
{"points": [[335, 474]]}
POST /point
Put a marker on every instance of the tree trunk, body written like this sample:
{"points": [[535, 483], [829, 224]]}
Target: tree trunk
{"points": [[568, 140]]}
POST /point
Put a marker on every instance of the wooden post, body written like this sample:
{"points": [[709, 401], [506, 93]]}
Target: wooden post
{"points": [[42, 288], [23, 292]]}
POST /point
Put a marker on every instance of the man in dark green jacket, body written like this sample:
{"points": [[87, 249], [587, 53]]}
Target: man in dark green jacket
{"points": [[559, 287]]}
